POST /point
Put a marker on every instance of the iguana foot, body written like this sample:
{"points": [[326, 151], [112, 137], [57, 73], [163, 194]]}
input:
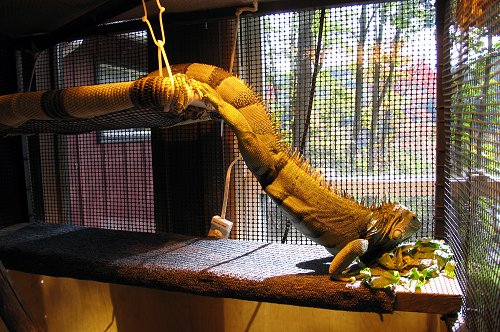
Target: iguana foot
{"points": [[345, 257]]}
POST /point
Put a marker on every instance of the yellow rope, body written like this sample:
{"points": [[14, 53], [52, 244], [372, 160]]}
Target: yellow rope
{"points": [[160, 43]]}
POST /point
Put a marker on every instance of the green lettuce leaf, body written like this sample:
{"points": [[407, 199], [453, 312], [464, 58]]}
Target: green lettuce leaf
{"points": [[410, 265]]}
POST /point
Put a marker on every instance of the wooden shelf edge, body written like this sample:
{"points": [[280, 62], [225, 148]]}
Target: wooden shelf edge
{"points": [[441, 296]]}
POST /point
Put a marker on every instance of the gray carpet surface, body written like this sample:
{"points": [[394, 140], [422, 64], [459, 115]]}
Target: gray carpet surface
{"points": [[269, 272]]}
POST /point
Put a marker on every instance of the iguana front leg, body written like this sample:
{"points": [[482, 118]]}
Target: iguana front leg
{"points": [[255, 153], [345, 257]]}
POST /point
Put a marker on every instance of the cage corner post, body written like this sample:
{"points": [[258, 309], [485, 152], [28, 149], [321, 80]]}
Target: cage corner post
{"points": [[443, 69], [13, 312]]}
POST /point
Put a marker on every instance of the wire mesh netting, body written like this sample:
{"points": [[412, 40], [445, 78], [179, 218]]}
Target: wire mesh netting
{"points": [[473, 154], [353, 88], [96, 179]]}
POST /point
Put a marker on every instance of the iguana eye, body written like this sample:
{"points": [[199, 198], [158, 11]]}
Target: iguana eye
{"points": [[397, 234]]}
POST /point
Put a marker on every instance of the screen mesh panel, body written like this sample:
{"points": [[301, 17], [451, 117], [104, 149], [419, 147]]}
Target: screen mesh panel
{"points": [[473, 152], [353, 88], [96, 179]]}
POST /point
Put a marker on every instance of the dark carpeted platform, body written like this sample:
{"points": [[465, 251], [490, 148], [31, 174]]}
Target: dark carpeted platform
{"points": [[270, 272]]}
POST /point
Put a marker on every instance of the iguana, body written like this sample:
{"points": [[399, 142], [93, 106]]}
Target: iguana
{"points": [[346, 228]]}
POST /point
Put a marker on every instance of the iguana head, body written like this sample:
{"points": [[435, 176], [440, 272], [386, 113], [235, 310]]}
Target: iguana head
{"points": [[390, 225]]}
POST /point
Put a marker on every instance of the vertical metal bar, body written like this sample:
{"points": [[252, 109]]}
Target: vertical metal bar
{"points": [[36, 182], [158, 162], [62, 169], [27, 178], [443, 69]]}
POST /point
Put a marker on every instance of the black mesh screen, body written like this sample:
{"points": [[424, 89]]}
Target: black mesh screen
{"points": [[96, 179], [473, 153], [353, 88]]}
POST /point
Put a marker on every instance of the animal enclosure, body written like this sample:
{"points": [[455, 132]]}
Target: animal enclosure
{"points": [[390, 100]]}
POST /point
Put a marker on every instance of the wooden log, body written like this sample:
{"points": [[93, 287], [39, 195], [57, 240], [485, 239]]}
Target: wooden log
{"points": [[14, 314]]}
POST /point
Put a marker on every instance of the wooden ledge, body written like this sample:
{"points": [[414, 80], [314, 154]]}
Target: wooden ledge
{"points": [[267, 272], [442, 295]]}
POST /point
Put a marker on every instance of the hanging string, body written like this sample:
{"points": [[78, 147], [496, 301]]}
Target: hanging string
{"points": [[160, 43], [239, 11]]}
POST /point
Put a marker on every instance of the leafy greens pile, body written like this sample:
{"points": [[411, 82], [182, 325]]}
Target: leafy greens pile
{"points": [[411, 265]]}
